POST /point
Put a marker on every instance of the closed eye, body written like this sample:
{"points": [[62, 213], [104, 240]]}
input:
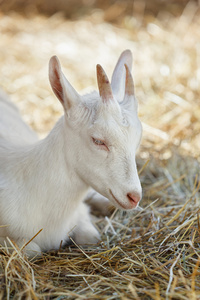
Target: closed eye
{"points": [[100, 143]]}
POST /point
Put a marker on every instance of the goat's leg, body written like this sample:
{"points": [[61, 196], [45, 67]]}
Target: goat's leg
{"points": [[99, 204], [85, 232], [31, 250]]}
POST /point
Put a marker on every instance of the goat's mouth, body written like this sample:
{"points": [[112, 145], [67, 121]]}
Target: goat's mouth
{"points": [[129, 205]]}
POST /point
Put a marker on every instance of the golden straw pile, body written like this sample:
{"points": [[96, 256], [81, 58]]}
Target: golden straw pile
{"points": [[151, 253]]}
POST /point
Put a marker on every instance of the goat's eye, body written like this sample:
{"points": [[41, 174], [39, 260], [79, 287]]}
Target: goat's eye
{"points": [[100, 143]]}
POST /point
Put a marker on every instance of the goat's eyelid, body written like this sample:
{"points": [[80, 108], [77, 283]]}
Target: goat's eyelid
{"points": [[100, 143]]}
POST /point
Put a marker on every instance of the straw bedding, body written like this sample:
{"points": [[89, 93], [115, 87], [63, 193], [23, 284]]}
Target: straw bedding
{"points": [[151, 253]]}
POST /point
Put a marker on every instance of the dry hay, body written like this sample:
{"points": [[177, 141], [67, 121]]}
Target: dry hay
{"points": [[152, 253]]}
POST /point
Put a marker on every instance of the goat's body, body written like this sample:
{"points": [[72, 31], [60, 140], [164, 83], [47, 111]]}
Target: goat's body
{"points": [[27, 208], [43, 183], [12, 127]]}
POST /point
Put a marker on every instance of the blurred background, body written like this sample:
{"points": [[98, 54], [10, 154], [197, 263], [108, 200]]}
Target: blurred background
{"points": [[163, 35]]}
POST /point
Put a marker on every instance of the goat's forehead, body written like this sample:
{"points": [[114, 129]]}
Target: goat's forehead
{"points": [[111, 119], [116, 118], [102, 112], [111, 128]]}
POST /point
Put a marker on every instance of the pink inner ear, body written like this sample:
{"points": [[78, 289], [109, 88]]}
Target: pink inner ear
{"points": [[57, 87], [129, 88]]}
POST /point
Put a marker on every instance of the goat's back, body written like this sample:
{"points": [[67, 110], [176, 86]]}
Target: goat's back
{"points": [[12, 127]]}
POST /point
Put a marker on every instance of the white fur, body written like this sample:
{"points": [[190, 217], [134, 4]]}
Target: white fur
{"points": [[43, 183]]}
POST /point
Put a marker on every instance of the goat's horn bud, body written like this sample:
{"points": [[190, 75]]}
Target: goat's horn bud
{"points": [[129, 89], [105, 90]]}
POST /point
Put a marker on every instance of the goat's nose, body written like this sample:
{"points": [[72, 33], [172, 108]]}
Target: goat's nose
{"points": [[134, 198]]}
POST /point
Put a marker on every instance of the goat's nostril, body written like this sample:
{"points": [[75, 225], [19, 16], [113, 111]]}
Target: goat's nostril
{"points": [[133, 197]]}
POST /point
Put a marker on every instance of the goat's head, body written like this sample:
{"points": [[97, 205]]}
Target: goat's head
{"points": [[104, 131]]}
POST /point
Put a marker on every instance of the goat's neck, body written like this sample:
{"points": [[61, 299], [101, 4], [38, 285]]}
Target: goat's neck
{"points": [[48, 165]]}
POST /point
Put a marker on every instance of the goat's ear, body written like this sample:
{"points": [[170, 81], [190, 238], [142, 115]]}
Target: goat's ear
{"points": [[63, 90], [119, 75], [129, 100]]}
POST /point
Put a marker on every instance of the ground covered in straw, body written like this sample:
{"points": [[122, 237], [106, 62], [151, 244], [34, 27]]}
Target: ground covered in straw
{"points": [[152, 253]]}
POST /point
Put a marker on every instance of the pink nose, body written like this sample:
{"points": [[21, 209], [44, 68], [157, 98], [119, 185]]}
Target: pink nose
{"points": [[134, 198]]}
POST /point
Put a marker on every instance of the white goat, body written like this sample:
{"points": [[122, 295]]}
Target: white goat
{"points": [[43, 183]]}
